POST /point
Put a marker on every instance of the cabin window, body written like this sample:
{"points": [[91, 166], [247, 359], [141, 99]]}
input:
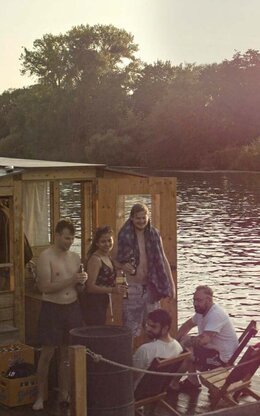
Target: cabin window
{"points": [[70, 207], [125, 203]]}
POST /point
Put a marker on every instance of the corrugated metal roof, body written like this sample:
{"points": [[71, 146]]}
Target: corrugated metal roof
{"points": [[31, 163]]}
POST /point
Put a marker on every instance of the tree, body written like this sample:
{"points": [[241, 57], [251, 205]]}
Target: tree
{"points": [[83, 54], [151, 85], [90, 71]]}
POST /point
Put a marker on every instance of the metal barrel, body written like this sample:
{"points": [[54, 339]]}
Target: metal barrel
{"points": [[109, 388]]}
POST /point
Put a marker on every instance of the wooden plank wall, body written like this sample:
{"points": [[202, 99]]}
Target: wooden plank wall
{"points": [[163, 191], [7, 297], [54, 205], [6, 308], [86, 216], [19, 314]]}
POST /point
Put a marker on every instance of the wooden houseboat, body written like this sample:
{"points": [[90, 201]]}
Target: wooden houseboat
{"points": [[32, 201]]}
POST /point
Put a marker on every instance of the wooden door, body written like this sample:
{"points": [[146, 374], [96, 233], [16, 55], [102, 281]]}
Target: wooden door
{"points": [[111, 195]]}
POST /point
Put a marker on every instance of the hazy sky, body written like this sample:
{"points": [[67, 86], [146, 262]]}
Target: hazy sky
{"points": [[201, 31]]}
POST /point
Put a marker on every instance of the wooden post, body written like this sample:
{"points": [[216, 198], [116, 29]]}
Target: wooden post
{"points": [[55, 205], [78, 377], [86, 217], [18, 253]]}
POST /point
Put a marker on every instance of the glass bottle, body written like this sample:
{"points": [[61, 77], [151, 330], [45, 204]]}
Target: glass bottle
{"points": [[121, 280], [125, 295]]}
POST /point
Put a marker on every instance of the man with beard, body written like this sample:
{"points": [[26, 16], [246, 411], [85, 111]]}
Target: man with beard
{"points": [[162, 345], [216, 340]]}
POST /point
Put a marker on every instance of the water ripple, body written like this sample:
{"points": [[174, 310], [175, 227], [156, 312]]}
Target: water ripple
{"points": [[219, 241]]}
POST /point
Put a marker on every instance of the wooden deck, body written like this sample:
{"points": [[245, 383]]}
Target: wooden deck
{"points": [[188, 404]]}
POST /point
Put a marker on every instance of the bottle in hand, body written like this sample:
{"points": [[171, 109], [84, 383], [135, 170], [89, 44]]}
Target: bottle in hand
{"points": [[125, 296], [80, 286], [121, 280]]}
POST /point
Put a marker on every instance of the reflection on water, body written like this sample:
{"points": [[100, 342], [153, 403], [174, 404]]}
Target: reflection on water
{"points": [[218, 239]]}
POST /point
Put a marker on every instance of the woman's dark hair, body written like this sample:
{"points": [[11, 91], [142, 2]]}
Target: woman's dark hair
{"points": [[106, 229]]}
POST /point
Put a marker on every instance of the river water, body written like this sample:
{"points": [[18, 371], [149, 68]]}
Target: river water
{"points": [[218, 237]]}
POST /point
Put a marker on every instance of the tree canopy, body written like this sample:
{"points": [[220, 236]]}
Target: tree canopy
{"points": [[94, 101]]}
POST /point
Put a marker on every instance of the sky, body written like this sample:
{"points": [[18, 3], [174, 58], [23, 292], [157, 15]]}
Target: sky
{"points": [[201, 31]]}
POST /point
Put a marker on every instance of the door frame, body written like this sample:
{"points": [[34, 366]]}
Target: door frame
{"points": [[163, 193]]}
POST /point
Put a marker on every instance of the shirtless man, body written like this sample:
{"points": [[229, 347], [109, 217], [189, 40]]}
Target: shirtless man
{"points": [[57, 277], [141, 256]]}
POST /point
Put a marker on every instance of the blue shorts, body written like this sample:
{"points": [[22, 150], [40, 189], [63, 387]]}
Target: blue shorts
{"points": [[56, 320]]}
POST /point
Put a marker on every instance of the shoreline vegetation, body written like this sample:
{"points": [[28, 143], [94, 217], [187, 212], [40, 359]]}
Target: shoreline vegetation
{"points": [[142, 168], [95, 102]]}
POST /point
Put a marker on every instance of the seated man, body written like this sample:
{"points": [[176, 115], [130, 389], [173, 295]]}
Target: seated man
{"points": [[162, 345], [217, 339]]}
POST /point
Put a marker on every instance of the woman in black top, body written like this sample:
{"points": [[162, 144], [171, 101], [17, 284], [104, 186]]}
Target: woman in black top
{"points": [[101, 278]]}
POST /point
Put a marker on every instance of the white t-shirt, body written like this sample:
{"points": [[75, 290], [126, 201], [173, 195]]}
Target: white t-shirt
{"points": [[217, 320], [145, 354]]}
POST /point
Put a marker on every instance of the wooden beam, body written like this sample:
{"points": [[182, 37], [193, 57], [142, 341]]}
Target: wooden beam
{"points": [[86, 216], [55, 205], [169, 236], [78, 374], [6, 191], [18, 238], [50, 174], [6, 180]]}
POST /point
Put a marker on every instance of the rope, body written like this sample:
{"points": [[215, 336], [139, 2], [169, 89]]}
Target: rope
{"points": [[99, 357]]}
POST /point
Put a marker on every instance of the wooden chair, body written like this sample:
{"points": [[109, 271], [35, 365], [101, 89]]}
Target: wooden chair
{"points": [[229, 384], [243, 340], [152, 389]]}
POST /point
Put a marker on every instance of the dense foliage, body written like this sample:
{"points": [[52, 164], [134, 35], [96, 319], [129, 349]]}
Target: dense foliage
{"points": [[93, 101]]}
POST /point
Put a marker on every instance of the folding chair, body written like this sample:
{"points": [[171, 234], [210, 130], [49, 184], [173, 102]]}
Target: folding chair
{"points": [[229, 384], [152, 389], [248, 333]]}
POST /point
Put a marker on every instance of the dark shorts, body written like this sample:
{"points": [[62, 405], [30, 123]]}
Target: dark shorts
{"points": [[94, 307], [207, 359], [56, 321]]}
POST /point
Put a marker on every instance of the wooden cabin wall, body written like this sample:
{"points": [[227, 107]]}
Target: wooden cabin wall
{"points": [[54, 205], [163, 192], [6, 308], [12, 302], [100, 205], [18, 235], [73, 174], [87, 216], [7, 296], [33, 297]]}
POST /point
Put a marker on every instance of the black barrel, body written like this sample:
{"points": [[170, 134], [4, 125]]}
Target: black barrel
{"points": [[109, 388]]}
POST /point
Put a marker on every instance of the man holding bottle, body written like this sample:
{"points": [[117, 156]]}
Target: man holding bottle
{"points": [[59, 275], [141, 256]]}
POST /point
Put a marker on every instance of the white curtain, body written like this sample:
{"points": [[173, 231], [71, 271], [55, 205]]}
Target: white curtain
{"points": [[35, 205]]}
